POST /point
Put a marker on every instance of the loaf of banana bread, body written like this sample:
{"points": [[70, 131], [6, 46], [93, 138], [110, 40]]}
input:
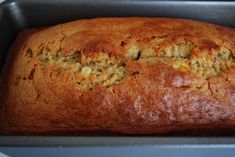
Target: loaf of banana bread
{"points": [[120, 75]]}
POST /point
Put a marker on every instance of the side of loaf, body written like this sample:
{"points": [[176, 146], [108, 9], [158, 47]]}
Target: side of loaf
{"points": [[120, 75]]}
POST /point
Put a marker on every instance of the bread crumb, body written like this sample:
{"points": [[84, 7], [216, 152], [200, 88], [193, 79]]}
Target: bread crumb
{"points": [[86, 71]]}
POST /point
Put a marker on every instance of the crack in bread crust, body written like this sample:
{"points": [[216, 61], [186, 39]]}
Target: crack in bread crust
{"points": [[108, 71]]}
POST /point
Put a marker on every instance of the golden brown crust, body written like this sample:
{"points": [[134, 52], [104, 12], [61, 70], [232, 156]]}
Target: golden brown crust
{"points": [[158, 100]]}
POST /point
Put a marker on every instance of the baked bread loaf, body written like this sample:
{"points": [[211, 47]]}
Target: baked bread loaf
{"points": [[120, 75]]}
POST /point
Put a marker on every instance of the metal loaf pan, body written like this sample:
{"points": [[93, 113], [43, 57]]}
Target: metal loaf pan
{"points": [[16, 15]]}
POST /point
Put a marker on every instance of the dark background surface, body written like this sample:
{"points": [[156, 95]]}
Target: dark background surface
{"points": [[16, 15]]}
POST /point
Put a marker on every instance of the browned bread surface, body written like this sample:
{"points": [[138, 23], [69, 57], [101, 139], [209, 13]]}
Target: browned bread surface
{"points": [[120, 75]]}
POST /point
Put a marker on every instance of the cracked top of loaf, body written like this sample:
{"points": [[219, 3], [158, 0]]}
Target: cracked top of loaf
{"points": [[125, 75]]}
